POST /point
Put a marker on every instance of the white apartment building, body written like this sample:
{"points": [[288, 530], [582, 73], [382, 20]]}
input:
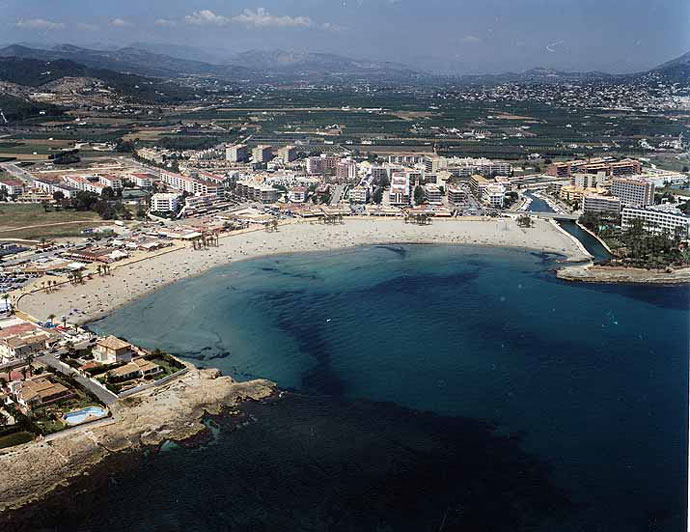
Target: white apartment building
{"points": [[323, 165], [257, 191], [597, 203], [165, 202], [262, 154], [297, 195], [111, 181], [633, 191], [192, 185], [142, 180], [494, 195], [432, 194], [13, 187], [238, 153], [456, 195], [657, 219], [359, 194], [399, 193], [287, 154], [84, 184], [346, 170]]}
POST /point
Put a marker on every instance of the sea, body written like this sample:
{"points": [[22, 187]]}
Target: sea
{"points": [[427, 387]]}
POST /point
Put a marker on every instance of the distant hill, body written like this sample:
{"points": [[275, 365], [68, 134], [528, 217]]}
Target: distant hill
{"points": [[256, 65], [284, 63], [36, 73], [677, 69], [158, 60]]}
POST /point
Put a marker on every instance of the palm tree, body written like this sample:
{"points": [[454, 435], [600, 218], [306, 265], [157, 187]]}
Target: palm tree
{"points": [[99, 269], [51, 317]]}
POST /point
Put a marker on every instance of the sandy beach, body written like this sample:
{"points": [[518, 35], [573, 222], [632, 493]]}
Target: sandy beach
{"points": [[102, 294]]}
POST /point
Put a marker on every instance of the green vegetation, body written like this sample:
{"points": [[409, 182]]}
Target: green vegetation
{"points": [[33, 222], [15, 438], [638, 247]]}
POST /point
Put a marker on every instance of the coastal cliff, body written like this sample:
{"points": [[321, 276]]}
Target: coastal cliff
{"points": [[172, 411]]}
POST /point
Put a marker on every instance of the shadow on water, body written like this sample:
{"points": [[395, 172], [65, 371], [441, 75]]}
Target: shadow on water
{"points": [[305, 463], [591, 244]]}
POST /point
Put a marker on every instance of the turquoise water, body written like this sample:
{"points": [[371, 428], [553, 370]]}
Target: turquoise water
{"points": [[431, 384], [80, 416]]}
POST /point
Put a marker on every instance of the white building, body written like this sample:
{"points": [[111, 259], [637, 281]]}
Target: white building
{"points": [[456, 195], [13, 187], [399, 192], [633, 191], [287, 154], [657, 219], [494, 194], [165, 202], [238, 153], [111, 181], [297, 195], [142, 180], [597, 203], [257, 191], [346, 170], [432, 194], [262, 154], [359, 194]]}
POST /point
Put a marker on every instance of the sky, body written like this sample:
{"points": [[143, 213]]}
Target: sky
{"points": [[460, 36]]}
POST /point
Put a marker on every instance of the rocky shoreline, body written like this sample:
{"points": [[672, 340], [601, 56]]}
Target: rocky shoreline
{"points": [[172, 412], [591, 273]]}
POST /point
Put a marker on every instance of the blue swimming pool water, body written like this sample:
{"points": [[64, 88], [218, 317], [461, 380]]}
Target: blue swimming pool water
{"points": [[80, 416]]}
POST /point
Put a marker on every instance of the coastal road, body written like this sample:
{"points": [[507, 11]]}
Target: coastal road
{"points": [[106, 396]]}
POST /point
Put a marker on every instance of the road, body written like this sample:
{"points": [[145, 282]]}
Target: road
{"points": [[14, 170], [337, 195], [106, 396]]}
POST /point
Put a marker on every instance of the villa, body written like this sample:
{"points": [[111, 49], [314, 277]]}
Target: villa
{"points": [[111, 349]]}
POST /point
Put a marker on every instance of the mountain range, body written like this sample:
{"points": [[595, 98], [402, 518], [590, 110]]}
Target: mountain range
{"points": [[149, 61], [253, 65]]}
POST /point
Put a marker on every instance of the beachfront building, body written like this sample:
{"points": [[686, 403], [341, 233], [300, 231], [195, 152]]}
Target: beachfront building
{"points": [[297, 195], [257, 191], [21, 341], [136, 369], [456, 195], [111, 349], [359, 194], [600, 204], [657, 219], [399, 193], [237, 153], [633, 191], [165, 202], [432, 194], [494, 195]]}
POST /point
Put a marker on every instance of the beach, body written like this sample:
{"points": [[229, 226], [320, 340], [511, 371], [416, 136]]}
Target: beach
{"points": [[98, 296]]}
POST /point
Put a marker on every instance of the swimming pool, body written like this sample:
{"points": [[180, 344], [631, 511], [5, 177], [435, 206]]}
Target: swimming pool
{"points": [[89, 413]]}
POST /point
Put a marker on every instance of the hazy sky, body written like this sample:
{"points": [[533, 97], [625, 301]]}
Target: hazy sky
{"points": [[452, 35]]}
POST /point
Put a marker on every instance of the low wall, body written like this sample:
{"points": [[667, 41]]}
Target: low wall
{"points": [[143, 387]]}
